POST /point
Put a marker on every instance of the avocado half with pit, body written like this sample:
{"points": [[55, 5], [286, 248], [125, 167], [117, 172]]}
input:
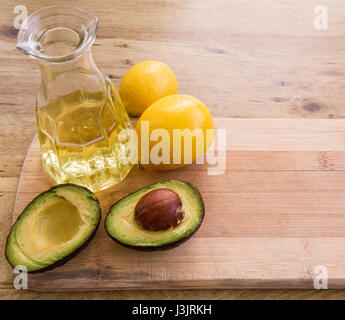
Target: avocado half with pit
{"points": [[157, 217], [53, 228]]}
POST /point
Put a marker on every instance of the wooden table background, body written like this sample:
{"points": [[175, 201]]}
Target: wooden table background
{"points": [[242, 58]]}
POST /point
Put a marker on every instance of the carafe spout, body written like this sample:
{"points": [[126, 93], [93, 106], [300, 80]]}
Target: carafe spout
{"points": [[57, 33]]}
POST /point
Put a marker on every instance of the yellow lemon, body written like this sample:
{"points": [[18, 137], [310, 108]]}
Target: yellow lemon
{"points": [[174, 131], [144, 84]]}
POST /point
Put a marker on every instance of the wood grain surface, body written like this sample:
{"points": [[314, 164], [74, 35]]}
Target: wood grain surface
{"points": [[275, 214], [242, 58]]}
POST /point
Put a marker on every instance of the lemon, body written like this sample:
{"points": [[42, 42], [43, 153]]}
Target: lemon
{"points": [[174, 114], [144, 84]]}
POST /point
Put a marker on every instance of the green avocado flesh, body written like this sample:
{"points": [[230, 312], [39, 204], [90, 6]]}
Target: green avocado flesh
{"points": [[53, 227], [122, 226]]}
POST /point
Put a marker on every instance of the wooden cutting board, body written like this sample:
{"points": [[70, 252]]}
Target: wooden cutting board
{"points": [[275, 214]]}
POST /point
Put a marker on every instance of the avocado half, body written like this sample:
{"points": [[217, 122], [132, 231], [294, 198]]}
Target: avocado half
{"points": [[53, 228], [123, 228]]}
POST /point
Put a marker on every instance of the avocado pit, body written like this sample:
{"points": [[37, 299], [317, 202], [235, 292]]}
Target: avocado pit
{"points": [[160, 209]]}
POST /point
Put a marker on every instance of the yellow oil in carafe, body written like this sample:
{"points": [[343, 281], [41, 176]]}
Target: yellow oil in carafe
{"points": [[78, 134]]}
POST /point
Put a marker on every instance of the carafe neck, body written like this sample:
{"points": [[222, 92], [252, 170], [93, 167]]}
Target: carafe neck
{"points": [[81, 64]]}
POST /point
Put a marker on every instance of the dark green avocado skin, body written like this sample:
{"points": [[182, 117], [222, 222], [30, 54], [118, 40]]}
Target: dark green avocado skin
{"points": [[168, 246], [77, 250]]}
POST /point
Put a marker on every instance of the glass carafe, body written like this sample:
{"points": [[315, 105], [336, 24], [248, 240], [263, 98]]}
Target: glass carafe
{"points": [[79, 111]]}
